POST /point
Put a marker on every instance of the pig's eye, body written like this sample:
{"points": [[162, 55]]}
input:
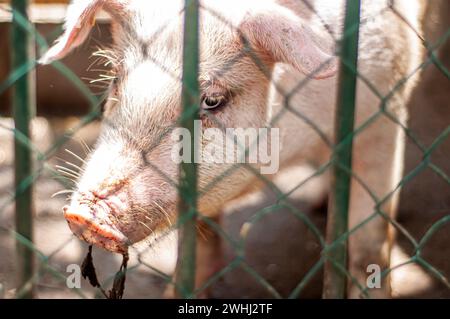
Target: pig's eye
{"points": [[213, 102]]}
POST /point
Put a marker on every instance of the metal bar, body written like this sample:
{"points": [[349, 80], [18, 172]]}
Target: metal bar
{"points": [[335, 280], [185, 275], [23, 111]]}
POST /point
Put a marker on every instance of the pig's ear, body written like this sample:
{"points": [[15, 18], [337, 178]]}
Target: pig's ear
{"points": [[285, 38], [79, 21]]}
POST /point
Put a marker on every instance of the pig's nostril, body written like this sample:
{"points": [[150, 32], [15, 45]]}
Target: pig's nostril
{"points": [[85, 226]]}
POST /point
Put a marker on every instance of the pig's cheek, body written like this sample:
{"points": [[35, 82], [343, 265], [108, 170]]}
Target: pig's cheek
{"points": [[230, 183], [151, 186]]}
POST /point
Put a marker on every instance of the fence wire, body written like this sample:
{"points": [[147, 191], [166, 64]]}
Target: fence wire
{"points": [[333, 245]]}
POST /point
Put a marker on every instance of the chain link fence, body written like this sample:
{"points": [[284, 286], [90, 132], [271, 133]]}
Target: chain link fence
{"points": [[32, 266]]}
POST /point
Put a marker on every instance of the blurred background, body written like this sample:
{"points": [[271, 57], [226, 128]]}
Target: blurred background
{"points": [[280, 247]]}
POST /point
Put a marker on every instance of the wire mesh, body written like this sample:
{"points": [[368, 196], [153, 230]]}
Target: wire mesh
{"points": [[333, 246]]}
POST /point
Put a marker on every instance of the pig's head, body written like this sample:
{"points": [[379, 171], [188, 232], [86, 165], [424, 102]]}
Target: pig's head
{"points": [[127, 190]]}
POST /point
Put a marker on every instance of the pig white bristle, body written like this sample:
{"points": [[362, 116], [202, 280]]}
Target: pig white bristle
{"points": [[75, 155], [75, 177], [67, 170], [63, 192]]}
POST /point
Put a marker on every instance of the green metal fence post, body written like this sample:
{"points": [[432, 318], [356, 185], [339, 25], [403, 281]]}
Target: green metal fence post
{"points": [[185, 277], [335, 280], [23, 111]]}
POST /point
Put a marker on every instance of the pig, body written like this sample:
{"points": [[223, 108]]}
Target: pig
{"points": [[253, 55]]}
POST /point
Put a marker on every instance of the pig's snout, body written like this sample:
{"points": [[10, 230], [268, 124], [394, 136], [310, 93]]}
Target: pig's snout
{"points": [[92, 222]]}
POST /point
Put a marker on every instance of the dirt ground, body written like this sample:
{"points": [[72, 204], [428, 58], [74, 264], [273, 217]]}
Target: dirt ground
{"points": [[280, 248]]}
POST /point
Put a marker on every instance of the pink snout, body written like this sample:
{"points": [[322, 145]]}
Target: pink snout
{"points": [[95, 231]]}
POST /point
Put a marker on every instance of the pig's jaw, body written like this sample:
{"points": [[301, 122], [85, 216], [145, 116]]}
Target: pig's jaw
{"points": [[91, 221]]}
